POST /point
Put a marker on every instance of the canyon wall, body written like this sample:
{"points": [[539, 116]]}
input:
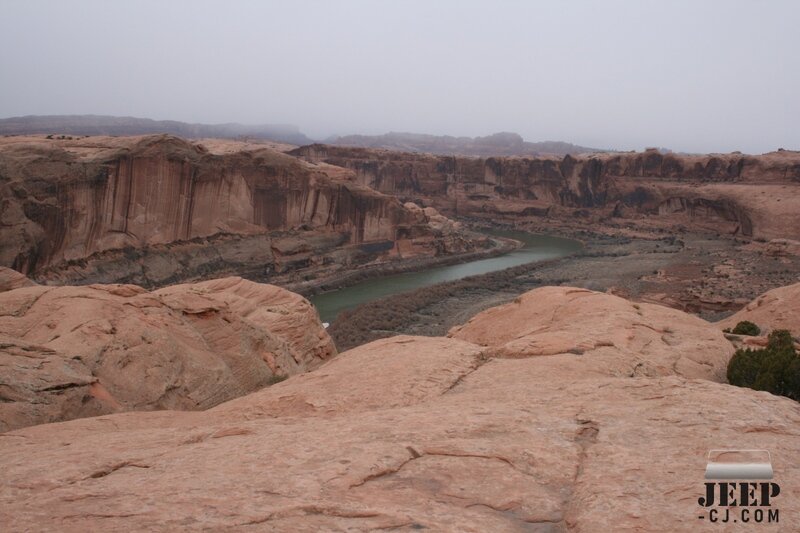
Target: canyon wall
{"points": [[157, 209], [735, 193]]}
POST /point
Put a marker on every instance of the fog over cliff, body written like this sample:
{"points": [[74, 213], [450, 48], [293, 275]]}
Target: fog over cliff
{"points": [[692, 76]]}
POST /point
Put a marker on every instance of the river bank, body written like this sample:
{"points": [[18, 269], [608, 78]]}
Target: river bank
{"points": [[706, 274], [341, 279], [533, 248]]}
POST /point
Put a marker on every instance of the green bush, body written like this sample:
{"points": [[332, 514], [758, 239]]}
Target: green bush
{"points": [[746, 327], [774, 369]]}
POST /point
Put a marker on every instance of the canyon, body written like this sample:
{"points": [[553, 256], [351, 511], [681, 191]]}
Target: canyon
{"points": [[149, 381], [157, 210], [402, 266], [754, 196]]}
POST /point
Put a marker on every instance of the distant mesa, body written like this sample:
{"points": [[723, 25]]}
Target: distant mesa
{"points": [[498, 144], [111, 125]]}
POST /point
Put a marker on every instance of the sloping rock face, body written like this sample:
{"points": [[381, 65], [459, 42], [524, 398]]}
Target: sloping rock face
{"points": [[425, 433], [11, 279], [734, 193], [158, 210], [775, 309], [70, 352], [625, 339]]}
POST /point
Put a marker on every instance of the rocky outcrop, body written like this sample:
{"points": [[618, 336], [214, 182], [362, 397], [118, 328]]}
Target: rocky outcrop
{"points": [[11, 279], [71, 352], [158, 210], [732, 193], [775, 309], [430, 433], [626, 339], [782, 248]]}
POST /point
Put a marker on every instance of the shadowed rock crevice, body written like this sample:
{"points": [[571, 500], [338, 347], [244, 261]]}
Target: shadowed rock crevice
{"points": [[111, 469]]}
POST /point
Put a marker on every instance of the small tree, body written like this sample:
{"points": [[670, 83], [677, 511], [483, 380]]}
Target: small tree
{"points": [[745, 327], [774, 369]]}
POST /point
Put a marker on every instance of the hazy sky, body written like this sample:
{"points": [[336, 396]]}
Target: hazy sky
{"points": [[696, 75]]}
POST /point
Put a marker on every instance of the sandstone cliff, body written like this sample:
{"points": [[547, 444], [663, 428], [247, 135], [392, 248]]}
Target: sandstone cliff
{"points": [[158, 210], [70, 352], [539, 416], [733, 193]]}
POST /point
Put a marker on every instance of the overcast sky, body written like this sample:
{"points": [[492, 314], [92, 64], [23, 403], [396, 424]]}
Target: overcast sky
{"points": [[688, 75]]}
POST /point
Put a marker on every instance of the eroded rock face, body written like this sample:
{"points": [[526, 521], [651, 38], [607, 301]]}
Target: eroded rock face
{"points": [[417, 432], [730, 193], [70, 352], [158, 210]]}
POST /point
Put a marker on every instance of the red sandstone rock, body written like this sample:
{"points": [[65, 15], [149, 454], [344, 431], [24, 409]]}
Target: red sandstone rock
{"points": [[728, 193], [11, 279], [417, 432], [775, 309], [782, 247], [70, 352], [625, 338], [156, 210]]}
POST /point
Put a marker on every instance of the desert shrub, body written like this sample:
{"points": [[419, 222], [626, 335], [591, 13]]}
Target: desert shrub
{"points": [[774, 369], [745, 327]]}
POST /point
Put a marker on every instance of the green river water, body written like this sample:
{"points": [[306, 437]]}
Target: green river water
{"points": [[536, 248]]}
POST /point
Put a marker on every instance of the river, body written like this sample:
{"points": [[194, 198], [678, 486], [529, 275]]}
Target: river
{"points": [[536, 248]]}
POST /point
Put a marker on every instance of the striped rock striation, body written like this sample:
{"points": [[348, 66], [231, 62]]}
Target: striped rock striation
{"points": [[157, 210], [728, 193]]}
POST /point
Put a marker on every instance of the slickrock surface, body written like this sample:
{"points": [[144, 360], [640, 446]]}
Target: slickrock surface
{"points": [[623, 339], [413, 432], [70, 352], [775, 309], [158, 210]]}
